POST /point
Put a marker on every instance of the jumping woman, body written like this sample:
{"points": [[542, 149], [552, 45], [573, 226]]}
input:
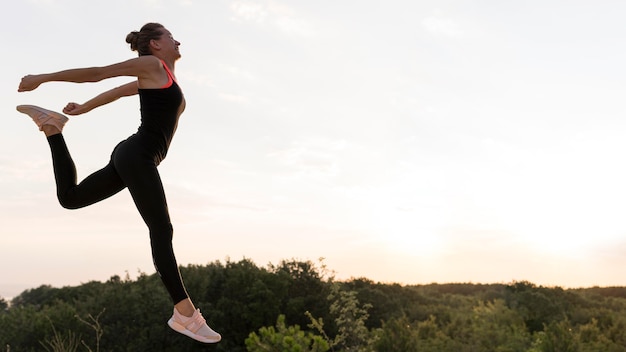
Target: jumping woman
{"points": [[134, 161]]}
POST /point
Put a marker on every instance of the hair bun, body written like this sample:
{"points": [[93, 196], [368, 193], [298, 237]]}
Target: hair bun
{"points": [[140, 40], [131, 39]]}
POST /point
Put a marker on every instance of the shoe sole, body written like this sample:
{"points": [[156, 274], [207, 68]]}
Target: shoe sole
{"points": [[181, 329], [24, 109]]}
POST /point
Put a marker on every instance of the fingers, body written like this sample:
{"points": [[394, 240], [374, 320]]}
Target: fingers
{"points": [[27, 83], [22, 87], [72, 109]]}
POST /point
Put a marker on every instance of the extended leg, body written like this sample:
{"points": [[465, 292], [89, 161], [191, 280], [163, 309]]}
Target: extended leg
{"points": [[144, 183], [141, 176]]}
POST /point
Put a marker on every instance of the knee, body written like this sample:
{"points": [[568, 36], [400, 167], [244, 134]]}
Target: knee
{"points": [[67, 202]]}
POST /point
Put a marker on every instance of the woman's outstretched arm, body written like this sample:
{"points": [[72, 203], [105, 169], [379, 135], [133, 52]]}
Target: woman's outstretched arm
{"points": [[109, 96], [145, 68]]}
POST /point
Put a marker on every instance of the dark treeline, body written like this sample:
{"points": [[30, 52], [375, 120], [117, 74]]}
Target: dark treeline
{"points": [[298, 306]]}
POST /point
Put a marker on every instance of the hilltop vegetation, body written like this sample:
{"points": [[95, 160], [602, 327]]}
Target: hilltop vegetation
{"points": [[298, 306]]}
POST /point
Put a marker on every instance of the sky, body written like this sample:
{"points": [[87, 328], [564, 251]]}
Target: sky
{"points": [[402, 141]]}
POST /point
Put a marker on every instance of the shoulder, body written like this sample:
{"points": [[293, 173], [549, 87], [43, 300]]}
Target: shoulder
{"points": [[147, 66], [152, 72], [144, 63], [148, 61]]}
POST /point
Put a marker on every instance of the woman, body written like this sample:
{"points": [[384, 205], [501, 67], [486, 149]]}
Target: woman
{"points": [[134, 161]]}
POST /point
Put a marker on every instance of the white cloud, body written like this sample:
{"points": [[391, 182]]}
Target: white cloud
{"points": [[157, 4], [279, 16], [248, 11], [201, 79], [233, 98], [238, 72], [312, 155], [42, 2], [294, 26], [443, 26]]}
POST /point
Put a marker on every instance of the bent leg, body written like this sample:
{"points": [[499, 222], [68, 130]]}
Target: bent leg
{"points": [[96, 187]]}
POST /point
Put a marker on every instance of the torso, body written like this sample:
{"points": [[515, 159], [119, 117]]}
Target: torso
{"points": [[160, 111]]}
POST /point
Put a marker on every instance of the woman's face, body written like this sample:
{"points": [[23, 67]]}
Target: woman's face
{"points": [[168, 46]]}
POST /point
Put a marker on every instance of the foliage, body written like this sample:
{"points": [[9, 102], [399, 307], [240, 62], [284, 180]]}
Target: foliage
{"points": [[59, 343], [242, 301], [93, 323], [350, 317], [285, 339], [235, 297]]}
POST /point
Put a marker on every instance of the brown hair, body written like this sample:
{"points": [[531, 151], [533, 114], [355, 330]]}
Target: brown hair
{"points": [[140, 41]]}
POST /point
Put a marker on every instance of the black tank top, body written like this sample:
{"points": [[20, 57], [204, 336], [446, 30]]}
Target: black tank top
{"points": [[159, 115]]}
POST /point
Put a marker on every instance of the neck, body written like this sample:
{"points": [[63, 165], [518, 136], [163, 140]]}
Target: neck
{"points": [[170, 64]]}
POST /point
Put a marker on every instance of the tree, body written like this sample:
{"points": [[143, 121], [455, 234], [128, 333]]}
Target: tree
{"points": [[238, 298], [307, 286], [285, 339], [539, 306], [495, 327], [398, 335], [39, 296], [349, 317], [557, 337]]}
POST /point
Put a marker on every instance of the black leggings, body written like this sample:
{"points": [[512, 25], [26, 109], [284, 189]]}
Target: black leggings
{"points": [[132, 165]]}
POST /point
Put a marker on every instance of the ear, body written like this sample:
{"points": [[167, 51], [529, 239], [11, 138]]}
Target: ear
{"points": [[154, 44]]}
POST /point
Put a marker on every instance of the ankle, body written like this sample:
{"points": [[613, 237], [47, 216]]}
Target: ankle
{"points": [[50, 130], [185, 307]]}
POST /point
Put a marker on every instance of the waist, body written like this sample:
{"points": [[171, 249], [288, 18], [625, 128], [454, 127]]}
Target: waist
{"points": [[151, 144]]}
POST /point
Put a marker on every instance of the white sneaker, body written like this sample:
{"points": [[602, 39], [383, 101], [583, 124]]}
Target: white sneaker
{"points": [[194, 327], [43, 117]]}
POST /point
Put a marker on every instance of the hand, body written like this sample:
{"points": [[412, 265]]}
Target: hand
{"points": [[29, 82], [74, 109]]}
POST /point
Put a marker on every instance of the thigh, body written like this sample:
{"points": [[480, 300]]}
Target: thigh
{"points": [[96, 187], [147, 191], [138, 171], [99, 185]]}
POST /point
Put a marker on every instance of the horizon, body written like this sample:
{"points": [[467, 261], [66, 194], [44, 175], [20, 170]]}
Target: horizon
{"points": [[404, 142], [17, 289]]}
